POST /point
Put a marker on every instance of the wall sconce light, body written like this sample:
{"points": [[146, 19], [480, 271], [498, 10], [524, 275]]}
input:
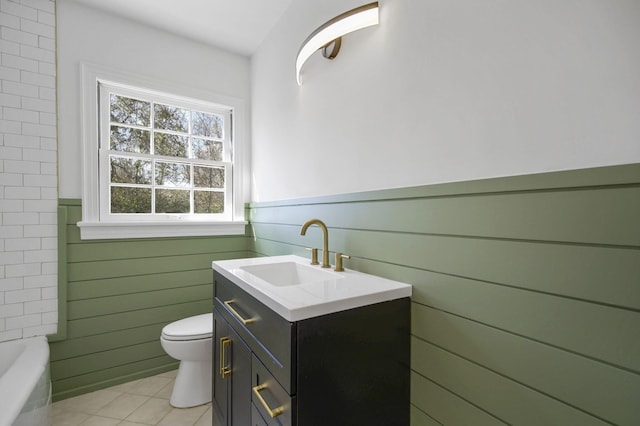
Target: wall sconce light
{"points": [[328, 36]]}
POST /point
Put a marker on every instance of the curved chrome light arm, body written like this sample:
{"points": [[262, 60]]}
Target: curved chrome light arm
{"points": [[355, 19]]}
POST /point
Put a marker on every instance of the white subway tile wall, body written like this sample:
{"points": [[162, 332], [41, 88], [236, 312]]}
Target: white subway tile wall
{"points": [[28, 169]]}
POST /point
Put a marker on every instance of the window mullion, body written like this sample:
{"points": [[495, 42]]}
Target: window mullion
{"points": [[153, 186], [152, 149], [192, 207]]}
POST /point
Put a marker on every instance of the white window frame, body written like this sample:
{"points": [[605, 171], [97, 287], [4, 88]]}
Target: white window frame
{"points": [[95, 223]]}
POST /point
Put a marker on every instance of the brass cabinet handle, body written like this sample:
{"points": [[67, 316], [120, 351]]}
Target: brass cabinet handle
{"points": [[273, 413], [237, 315], [224, 370]]}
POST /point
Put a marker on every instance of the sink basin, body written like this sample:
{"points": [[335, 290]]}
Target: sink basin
{"points": [[296, 290], [284, 274]]}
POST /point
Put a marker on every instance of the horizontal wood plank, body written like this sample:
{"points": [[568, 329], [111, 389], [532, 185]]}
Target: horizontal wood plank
{"points": [[115, 286], [420, 418], [137, 301], [445, 407], [510, 400], [117, 250], [126, 320], [130, 267], [87, 345], [594, 387], [107, 359], [579, 216]]}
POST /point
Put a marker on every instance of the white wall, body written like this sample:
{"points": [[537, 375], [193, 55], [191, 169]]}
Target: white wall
{"points": [[86, 35], [28, 184], [446, 91]]}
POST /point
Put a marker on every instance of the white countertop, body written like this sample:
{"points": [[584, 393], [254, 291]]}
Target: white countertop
{"points": [[345, 290]]}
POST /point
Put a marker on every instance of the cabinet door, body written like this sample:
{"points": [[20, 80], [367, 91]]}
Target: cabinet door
{"points": [[240, 381], [221, 377], [231, 376]]}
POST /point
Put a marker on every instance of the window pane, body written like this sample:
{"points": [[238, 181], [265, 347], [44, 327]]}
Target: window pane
{"points": [[127, 139], [129, 111], [206, 150], [171, 118], [172, 174], [172, 201], [170, 145], [208, 177], [130, 170], [130, 200], [204, 124], [208, 202]]}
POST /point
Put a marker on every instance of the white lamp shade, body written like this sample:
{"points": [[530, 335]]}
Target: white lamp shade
{"points": [[361, 17]]}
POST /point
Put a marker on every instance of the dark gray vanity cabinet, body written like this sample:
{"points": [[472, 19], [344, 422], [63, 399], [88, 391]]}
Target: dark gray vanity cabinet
{"points": [[345, 368]]}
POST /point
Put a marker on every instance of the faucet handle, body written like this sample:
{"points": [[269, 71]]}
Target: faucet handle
{"points": [[314, 255], [339, 257]]}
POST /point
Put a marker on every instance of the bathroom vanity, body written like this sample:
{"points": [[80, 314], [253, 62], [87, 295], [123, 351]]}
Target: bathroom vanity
{"points": [[299, 345]]}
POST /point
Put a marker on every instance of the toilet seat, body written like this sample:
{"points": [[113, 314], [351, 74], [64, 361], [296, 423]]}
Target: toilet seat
{"points": [[192, 328]]}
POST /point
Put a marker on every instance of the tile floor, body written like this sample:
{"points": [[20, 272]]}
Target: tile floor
{"points": [[141, 402]]}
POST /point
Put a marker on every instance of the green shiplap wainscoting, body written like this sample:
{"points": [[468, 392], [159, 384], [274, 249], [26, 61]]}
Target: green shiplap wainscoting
{"points": [[526, 290], [119, 295]]}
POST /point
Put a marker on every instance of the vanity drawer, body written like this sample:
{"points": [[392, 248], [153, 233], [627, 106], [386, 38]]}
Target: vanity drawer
{"points": [[272, 401], [256, 418], [268, 335]]}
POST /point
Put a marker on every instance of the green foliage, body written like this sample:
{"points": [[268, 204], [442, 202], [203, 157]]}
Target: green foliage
{"points": [[129, 170], [130, 200], [170, 118], [129, 111], [172, 201], [170, 145], [128, 139], [208, 202]]}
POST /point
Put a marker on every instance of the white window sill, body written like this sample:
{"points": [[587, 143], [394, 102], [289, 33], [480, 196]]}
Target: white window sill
{"points": [[116, 230]]}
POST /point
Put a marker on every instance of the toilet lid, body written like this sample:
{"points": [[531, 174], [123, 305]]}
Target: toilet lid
{"points": [[191, 328]]}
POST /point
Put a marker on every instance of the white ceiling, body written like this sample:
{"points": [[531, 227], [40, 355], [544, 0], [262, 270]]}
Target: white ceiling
{"points": [[235, 25]]}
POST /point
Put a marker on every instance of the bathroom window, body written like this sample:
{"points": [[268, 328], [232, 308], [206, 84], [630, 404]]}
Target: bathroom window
{"points": [[163, 158], [165, 166]]}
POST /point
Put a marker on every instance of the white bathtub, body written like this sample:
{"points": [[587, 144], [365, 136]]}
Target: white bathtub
{"points": [[25, 385]]}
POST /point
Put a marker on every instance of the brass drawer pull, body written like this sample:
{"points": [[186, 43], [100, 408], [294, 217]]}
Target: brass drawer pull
{"points": [[224, 370], [237, 315], [273, 413]]}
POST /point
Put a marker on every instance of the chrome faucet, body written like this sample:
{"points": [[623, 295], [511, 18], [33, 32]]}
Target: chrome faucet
{"points": [[325, 236]]}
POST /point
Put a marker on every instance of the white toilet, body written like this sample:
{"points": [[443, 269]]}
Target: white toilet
{"points": [[189, 340]]}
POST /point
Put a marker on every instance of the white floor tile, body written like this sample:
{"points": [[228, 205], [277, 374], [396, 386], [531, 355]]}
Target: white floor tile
{"points": [[142, 402], [183, 416], [122, 406], [69, 418], [149, 386], [151, 412], [89, 403], [165, 392], [100, 421], [206, 419]]}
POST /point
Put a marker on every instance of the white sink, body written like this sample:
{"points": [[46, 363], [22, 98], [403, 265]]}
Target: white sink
{"points": [[296, 290], [285, 274]]}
